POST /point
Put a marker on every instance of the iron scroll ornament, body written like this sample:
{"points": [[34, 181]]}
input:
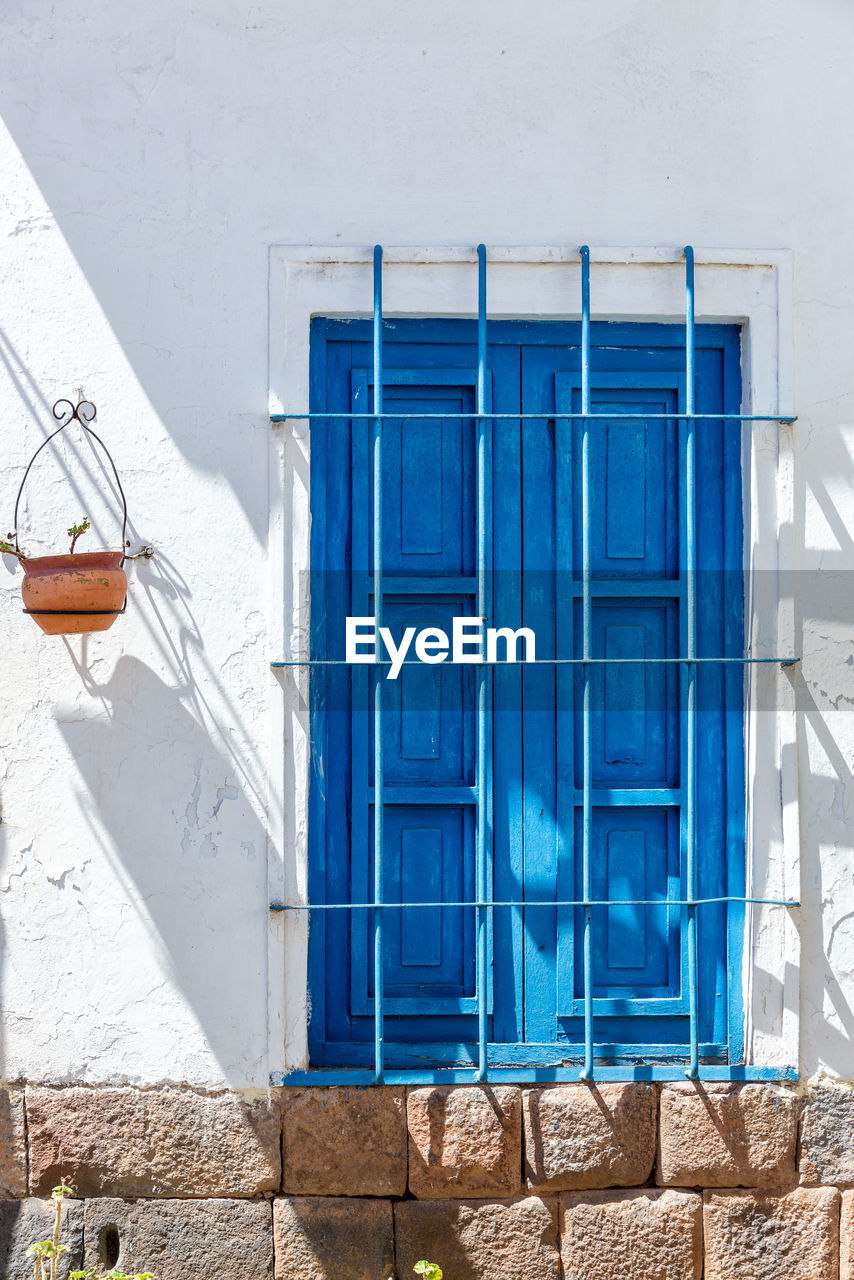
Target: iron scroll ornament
{"points": [[65, 413]]}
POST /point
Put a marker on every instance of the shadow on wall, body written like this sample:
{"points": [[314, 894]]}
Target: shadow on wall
{"points": [[824, 695], [826, 786], [3, 855], [168, 795], [164, 255], [172, 782]]}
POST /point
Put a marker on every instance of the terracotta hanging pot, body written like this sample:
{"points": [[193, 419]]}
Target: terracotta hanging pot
{"points": [[83, 591], [68, 595]]}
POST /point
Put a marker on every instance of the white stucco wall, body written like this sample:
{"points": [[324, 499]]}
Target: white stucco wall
{"points": [[149, 157]]}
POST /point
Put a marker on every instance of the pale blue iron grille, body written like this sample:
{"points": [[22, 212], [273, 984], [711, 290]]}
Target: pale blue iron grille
{"points": [[689, 661]]}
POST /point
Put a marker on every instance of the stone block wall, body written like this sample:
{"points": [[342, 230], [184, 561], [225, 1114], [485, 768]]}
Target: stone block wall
{"points": [[562, 1182]]}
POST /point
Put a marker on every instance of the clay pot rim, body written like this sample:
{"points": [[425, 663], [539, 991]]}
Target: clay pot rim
{"points": [[79, 560]]}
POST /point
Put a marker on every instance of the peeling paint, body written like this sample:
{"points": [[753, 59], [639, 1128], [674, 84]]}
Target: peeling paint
{"points": [[223, 793]]}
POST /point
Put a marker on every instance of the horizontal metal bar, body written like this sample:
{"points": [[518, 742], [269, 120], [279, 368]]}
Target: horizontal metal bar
{"points": [[537, 662], [529, 1075], [603, 417], [515, 902]]}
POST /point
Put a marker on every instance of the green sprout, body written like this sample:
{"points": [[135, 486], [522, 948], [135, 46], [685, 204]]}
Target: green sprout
{"points": [[76, 531], [9, 550], [429, 1270]]}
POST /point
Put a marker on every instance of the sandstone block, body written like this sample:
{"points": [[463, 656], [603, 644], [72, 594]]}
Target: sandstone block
{"points": [[846, 1237], [205, 1239], [154, 1142], [479, 1239], [772, 1235], [23, 1222], [579, 1136], [13, 1145], [827, 1134], [632, 1235], [464, 1141], [344, 1142], [333, 1238], [727, 1135]]}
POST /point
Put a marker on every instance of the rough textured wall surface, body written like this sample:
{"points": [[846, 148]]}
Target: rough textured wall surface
{"points": [[148, 158]]}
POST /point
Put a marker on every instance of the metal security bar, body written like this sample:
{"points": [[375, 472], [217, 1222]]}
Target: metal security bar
{"points": [[785, 418], [688, 663], [690, 671], [586, 645], [549, 662], [379, 810], [482, 611]]}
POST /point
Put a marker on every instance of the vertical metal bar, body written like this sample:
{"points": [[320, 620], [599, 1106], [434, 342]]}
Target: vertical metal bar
{"points": [[480, 851], [691, 669], [378, 675], [587, 629]]}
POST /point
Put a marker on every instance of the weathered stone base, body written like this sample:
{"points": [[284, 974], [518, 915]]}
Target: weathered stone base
{"points": [[607, 1182], [606, 1235], [180, 1238], [479, 1239], [333, 1238]]}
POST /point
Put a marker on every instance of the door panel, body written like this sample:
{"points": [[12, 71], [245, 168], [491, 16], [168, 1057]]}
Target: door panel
{"points": [[636, 952], [428, 963], [635, 708], [634, 468], [429, 710]]}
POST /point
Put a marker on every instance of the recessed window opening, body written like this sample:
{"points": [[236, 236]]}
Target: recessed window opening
{"points": [[533, 867]]}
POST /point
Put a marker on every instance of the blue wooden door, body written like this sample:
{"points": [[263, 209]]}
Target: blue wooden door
{"points": [[534, 752]]}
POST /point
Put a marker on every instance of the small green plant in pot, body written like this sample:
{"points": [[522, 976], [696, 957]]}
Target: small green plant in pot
{"points": [[79, 591], [72, 593]]}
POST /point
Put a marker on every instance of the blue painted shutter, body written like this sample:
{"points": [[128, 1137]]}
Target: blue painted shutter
{"points": [[638, 745], [428, 565], [640, 1005]]}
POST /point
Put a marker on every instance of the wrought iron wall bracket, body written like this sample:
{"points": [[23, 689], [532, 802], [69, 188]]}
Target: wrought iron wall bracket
{"points": [[65, 413]]}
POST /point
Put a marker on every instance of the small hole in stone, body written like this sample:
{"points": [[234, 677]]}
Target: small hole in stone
{"points": [[108, 1246]]}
